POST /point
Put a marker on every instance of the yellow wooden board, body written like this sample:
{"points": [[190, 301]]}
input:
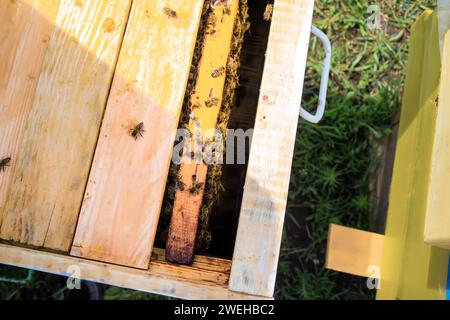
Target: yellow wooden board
{"points": [[354, 251], [410, 268], [61, 131], [126, 185], [206, 101], [437, 224]]}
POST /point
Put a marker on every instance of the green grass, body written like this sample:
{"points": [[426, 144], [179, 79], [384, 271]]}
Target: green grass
{"points": [[334, 162]]}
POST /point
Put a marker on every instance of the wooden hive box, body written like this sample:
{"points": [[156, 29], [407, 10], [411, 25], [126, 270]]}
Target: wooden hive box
{"points": [[76, 77]]}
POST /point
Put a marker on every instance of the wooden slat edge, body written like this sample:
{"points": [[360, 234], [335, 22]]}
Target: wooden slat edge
{"points": [[262, 213], [437, 231], [166, 283]]}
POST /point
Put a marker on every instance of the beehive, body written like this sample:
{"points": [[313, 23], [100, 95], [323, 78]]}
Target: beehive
{"points": [[76, 79]]}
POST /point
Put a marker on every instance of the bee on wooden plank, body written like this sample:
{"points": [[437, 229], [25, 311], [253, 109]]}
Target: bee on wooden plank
{"points": [[4, 163], [218, 72], [215, 3], [137, 131], [268, 12], [170, 12], [196, 186], [179, 184], [226, 11], [213, 102]]}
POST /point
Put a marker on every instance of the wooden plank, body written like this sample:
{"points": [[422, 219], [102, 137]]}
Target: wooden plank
{"points": [[62, 129], [208, 88], [171, 282], [125, 189], [261, 219], [25, 29], [444, 20], [203, 269], [353, 251], [200, 262], [437, 221], [411, 269]]}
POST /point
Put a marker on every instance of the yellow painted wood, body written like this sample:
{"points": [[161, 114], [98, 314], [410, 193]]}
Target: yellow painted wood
{"points": [[206, 101], [25, 29], [353, 251], [410, 268], [437, 224], [61, 131], [126, 186], [258, 241], [212, 68]]}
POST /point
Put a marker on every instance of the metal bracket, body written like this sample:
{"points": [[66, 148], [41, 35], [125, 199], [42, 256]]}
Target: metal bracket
{"points": [[324, 81]]}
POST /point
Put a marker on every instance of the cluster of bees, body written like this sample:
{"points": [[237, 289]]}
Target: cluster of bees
{"points": [[138, 130], [195, 188]]}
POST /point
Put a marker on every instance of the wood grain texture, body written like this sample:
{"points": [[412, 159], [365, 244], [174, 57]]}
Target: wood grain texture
{"points": [[353, 251], [263, 207], [125, 189], [196, 282], [62, 128], [437, 231], [25, 29], [188, 202]]}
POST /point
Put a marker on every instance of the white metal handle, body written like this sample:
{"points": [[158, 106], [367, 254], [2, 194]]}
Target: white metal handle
{"points": [[324, 81]]}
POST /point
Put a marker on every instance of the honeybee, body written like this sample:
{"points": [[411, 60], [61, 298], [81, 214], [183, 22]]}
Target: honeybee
{"points": [[268, 12], [170, 13], [196, 186], [226, 3], [218, 72], [213, 102], [4, 163], [137, 131]]}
